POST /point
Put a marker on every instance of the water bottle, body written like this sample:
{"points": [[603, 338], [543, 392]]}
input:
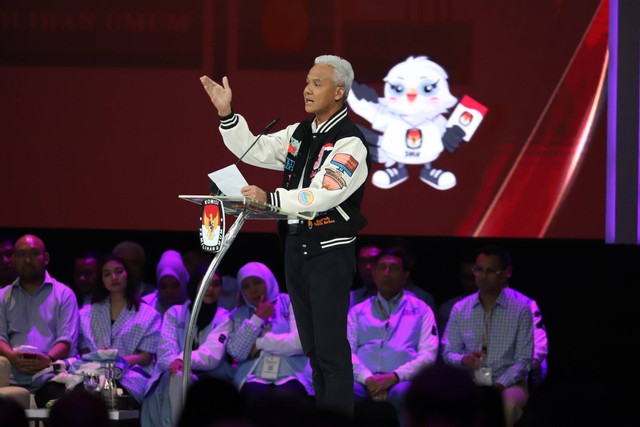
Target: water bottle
{"points": [[483, 374], [109, 386]]}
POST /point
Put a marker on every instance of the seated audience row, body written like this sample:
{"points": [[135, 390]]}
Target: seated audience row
{"points": [[384, 355], [393, 333]]}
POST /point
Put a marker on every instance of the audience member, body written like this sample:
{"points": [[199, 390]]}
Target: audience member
{"points": [[229, 295], [133, 253], [466, 279], [79, 408], [213, 402], [172, 278], [195, 257], [467, 285], [491, 333], [442, 395], [364, 286], [7, 270], [163, 400], [367, 255], [404, 246], [392, 335], [538, 371], [11, 413], [38, 320], [116, 320], [280, 408], [85, 276], [540, 343], [265, 338]]}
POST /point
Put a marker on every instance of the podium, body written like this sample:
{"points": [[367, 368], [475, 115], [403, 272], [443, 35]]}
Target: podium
{"points": [[242, 208]]}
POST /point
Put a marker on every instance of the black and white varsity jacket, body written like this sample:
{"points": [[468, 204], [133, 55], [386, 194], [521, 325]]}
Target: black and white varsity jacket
{"points": [[331, 185]]}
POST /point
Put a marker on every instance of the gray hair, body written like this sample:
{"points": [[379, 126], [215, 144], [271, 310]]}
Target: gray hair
{"points": [[343, 72]]}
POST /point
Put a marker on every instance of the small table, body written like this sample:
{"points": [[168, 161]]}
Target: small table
{"points": [[115, 415]]}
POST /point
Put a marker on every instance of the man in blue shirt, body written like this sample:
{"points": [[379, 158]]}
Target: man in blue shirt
{"points": [[491, 333], [38, 320]]}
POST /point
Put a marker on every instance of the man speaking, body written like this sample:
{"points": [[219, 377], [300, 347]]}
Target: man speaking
{"points": [[325, 163]]}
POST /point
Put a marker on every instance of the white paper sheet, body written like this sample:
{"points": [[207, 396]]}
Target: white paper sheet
{"points": [[229, 180]]}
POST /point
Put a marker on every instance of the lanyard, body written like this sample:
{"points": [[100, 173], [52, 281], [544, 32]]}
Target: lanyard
{"points": [[386, 315], [485, 333]]}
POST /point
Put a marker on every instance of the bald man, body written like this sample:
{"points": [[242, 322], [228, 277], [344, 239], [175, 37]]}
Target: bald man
{"points": [[38, 320]]}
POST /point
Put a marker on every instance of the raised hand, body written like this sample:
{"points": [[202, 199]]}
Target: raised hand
{"points": [[265, 309], [220, 94]]}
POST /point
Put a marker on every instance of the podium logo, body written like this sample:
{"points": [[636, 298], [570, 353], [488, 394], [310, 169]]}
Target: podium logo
{"points": [[211, 225]]}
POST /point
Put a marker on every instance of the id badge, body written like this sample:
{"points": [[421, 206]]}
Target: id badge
{"points": [[270, 366]]}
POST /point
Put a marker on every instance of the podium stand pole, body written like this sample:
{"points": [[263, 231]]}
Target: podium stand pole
{"points": [[188, 345], [242, 208]]}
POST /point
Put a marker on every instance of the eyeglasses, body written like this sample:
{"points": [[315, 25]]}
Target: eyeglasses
{"points": [[391, 267], [478, 269]]}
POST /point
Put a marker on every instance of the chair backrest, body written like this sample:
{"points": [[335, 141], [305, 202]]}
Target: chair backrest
{"points": [[5, 371]]}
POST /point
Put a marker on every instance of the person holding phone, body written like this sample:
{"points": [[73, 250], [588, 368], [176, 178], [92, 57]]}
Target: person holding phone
{"points": [[38, 320]]}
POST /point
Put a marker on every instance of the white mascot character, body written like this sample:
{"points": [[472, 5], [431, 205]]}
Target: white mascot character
{"points": [[410, 118]]}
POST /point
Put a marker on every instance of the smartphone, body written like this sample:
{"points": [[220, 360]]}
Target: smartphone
{"points": [[29, 355]]}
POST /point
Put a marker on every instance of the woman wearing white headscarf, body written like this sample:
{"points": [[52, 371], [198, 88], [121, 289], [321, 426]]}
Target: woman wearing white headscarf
{"points": [[265, 338], [172, 277]]}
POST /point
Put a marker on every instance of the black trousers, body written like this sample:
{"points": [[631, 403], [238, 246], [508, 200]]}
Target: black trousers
{"points": [[319, 290]]}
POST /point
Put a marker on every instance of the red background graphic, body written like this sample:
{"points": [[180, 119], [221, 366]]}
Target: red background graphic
{"points": [[101, 106]]}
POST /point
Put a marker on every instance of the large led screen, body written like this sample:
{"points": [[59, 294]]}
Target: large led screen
{"points": [[484, 118]]}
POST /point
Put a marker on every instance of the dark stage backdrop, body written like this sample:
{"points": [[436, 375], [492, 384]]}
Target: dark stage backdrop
{"points": [[103, 121]]}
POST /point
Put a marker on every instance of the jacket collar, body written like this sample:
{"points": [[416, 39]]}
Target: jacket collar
{"points": [[329, 124]]}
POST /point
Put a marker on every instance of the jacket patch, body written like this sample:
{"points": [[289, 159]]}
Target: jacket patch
{"points": [[294, 146], [326, 149], [305, 197], [345, 163], [288, 166], [322, 155], [333, 180], [319, 222]]}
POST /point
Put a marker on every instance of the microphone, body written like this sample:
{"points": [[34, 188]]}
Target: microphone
{"points": [[214, 190], [266, 129]]}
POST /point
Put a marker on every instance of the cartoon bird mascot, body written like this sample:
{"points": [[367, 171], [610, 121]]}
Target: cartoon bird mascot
{"points": [[411, 122]]}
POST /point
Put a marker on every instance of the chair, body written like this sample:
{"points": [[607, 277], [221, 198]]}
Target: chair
{"points": [[20, 394]]}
